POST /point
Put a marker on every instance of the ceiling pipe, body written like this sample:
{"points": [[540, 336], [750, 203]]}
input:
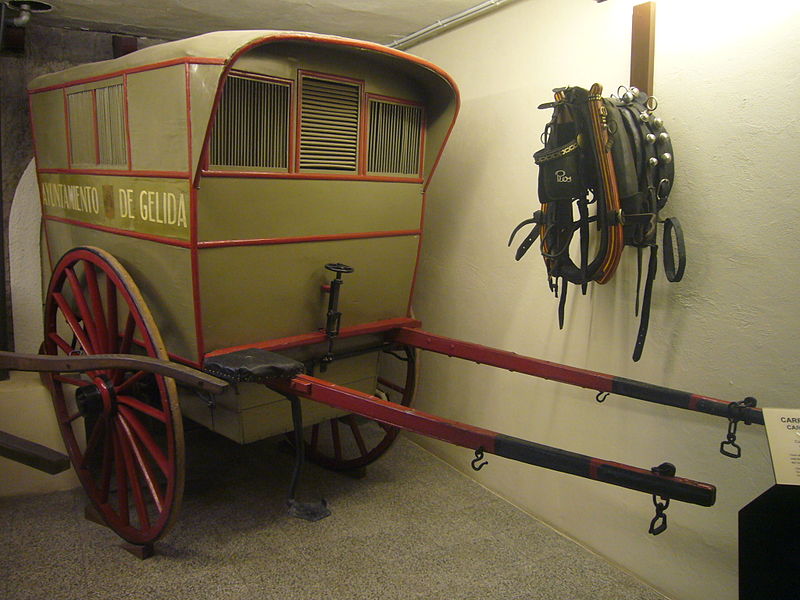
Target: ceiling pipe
{"points": [[25, 8], [448, 23]]}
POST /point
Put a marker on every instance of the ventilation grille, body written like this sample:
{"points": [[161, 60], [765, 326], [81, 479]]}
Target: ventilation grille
{"points": [[395, 132], [111, 125], [252, 128], [81, 128], [329, 125], [99, 112]]}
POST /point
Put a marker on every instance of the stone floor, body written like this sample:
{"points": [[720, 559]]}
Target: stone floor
{"points": [[413, 528]]}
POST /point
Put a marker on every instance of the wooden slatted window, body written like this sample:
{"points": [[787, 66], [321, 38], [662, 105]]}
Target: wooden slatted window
{"points": [[111, 125], [97, 127], [252, 126], [329, 120], [81, 127], [395, 137]]}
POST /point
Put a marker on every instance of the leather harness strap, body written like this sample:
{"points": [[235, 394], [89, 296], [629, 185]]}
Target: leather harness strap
{"points": [[613, 153]]}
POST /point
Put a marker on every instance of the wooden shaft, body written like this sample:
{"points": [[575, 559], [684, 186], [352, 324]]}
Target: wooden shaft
{"points": [[573, 375], [67, 364], [469, 436]]}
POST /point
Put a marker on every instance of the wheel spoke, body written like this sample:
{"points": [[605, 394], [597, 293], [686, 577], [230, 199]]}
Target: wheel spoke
{"points": [[122, 480], [126, 442], [130, 381], [145, 437], [71, 418], [125, 344], [94, 438], [83, 308], [362, 447], [61, 343], [70, 380], [111, 303], [99, 318], [73, 322], [140, 461], [108, 459], [142, 408], [337, 443], [392, 386]]}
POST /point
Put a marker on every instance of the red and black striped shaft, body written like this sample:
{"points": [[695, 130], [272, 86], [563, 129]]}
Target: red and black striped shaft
{"points": [[468, 436], [511, 361]]}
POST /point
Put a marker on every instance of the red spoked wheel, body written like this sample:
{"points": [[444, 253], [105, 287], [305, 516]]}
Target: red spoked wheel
{"points": [[352, 442], [122, 429]]}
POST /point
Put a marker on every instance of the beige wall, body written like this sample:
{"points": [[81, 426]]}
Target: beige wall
{"points": [[727, 85]]}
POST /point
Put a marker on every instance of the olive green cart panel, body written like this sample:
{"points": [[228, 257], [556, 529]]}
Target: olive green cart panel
{"points": [[162, 273], [157, 110], [241, 209], [254, 293], [49, 129]]}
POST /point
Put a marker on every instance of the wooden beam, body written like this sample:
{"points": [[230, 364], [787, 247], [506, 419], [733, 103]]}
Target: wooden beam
{"points": [[643, 45]]}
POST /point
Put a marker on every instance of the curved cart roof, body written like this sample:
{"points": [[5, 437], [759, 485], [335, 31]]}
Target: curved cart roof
{"points": [[220, 50], [222, 45]]}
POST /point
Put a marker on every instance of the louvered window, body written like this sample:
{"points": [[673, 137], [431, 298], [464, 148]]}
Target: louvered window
{"points": [[329, 118], [97, 126], [395, 135], [252, 127]]}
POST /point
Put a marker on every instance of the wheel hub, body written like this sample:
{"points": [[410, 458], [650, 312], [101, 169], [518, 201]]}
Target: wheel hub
{"points": [[97, 397]]}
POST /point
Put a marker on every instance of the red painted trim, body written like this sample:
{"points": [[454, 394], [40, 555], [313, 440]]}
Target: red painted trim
{"points": [[509, 361], [387, 412], [693, 400], [128, 122], [95, 128], [193, 229], [195, 258], [188, 83], [68, 129], [306, 239], [419, 254], [134, 234], [119, 173], [305, 175], [191, 60], [318, 337]]}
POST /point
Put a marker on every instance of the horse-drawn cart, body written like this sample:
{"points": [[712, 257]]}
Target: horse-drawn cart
{"points": [[251, 204]]}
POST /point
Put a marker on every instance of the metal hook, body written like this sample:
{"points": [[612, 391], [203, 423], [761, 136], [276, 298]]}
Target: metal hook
{"points": [[734, 412], [601, 396], [479, 457], [659, 522]]}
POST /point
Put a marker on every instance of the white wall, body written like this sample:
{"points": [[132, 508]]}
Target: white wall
{"points": [[726, 78]]}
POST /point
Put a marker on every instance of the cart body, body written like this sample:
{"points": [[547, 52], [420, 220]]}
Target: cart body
{"points": [[224, 171]]}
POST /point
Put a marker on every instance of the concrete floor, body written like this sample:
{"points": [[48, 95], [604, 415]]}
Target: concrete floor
{"points": [[413, 528]]}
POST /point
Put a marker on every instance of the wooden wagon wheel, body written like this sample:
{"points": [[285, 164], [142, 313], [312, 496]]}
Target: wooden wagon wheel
{"points": [[351, 442], [122, 429]]}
